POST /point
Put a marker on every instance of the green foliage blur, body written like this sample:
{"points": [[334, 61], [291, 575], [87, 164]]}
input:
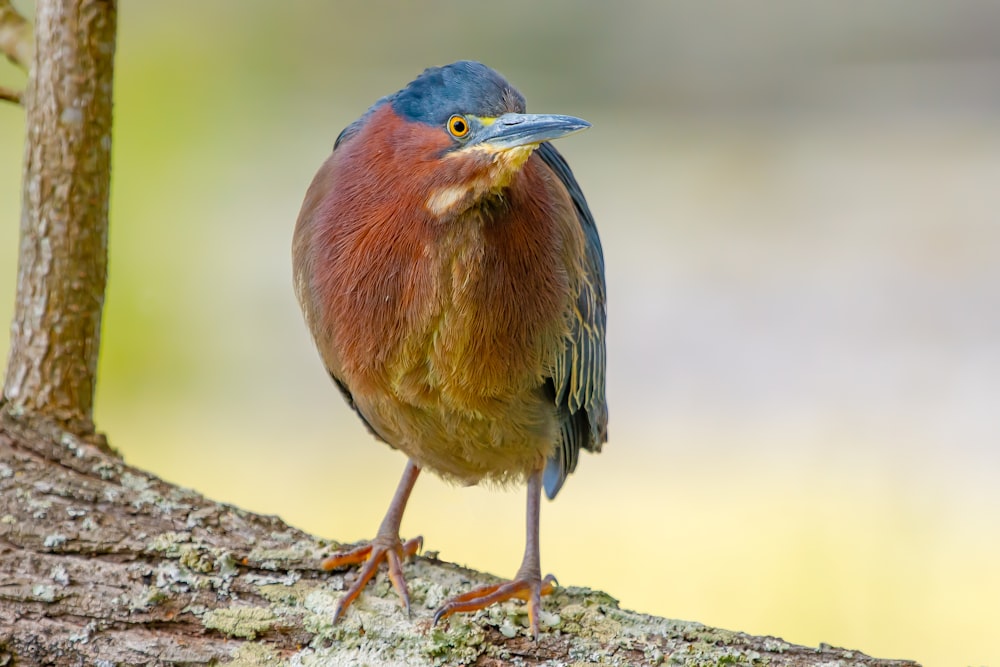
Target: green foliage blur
{"points": [[798, 203]]}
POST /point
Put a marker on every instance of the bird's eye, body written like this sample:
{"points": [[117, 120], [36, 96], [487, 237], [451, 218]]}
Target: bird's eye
{"points": [[458, 126]]}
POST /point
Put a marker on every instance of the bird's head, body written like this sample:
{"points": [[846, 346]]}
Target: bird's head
{"points": [[459, 133]]}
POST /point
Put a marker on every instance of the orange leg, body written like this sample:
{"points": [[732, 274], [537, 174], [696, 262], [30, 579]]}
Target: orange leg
{"points": [[527, 584], [385, 547]]}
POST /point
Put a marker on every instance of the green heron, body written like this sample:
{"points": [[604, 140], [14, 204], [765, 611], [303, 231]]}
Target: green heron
{"points": [[451, 274]]}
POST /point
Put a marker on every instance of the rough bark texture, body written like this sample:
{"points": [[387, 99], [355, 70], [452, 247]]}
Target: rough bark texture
{"points": [[62, 264], [101, 563]]}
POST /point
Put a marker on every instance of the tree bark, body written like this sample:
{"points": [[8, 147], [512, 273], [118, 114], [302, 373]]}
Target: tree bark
{"points": [[62, 265], [101, 563]]}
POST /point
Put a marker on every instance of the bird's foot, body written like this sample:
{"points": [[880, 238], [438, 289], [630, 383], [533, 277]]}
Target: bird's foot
{"points": [[529, 589], [391, 550]]}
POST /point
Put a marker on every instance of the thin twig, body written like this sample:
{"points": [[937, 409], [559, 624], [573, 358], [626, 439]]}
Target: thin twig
{"points": [[16, 40], [10, 95]]}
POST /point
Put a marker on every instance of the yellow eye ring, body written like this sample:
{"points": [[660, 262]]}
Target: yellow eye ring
{"points": [[458, 126]]}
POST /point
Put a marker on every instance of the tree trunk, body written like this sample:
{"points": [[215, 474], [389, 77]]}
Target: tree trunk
{"points": [[101, 563], [62, 265]]}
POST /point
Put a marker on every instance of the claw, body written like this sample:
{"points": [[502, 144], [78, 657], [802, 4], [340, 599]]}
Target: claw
{"points": [[385, 547], [372, 556], [528, 590], [528, 584], [352, 557]]}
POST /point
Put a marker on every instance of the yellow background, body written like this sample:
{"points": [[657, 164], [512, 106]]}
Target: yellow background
{"points": [[799, 206]]}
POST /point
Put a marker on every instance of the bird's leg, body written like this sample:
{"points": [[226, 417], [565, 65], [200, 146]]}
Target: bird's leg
{"points": [[385, 547], [527, 584]]}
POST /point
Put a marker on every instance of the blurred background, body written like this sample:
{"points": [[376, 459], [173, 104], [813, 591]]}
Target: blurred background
{"points": [[798, 203]]}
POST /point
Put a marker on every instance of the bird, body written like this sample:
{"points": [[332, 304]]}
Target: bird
{"points": [[451, 274]]}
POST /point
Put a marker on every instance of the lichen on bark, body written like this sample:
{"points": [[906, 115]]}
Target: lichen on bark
{"points": [[101, 561]]}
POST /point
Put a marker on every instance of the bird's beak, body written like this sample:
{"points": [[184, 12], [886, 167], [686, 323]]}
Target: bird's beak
{"points": [[523, 129]]}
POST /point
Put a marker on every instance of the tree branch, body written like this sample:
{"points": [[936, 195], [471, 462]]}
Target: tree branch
{"points": [[10, 95], [100, 561], [15, 36]]}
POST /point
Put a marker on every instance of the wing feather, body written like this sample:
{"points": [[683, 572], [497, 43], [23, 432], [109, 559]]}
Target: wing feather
{"points": [[578, 380]]}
